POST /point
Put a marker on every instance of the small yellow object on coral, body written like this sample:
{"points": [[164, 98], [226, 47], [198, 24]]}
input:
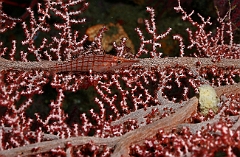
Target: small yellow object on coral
{"points": [[208, 99]]}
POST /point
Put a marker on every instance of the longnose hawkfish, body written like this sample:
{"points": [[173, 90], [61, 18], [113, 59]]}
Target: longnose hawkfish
{"points": [[95, 63]]}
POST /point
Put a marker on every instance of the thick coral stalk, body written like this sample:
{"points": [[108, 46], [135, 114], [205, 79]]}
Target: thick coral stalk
{"points": [[112, 62]]}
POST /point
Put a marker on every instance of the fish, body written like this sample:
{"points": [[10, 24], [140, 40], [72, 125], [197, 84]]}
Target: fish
{"points": [[95, 63]]}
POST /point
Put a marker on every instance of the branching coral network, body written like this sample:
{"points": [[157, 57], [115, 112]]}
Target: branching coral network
{"points": [[145, 106]]}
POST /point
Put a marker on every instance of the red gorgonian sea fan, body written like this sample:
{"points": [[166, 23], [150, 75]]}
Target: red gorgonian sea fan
{"points": [[145, 106]]}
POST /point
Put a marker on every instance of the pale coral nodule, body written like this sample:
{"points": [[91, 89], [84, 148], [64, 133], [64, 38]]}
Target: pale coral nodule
{"points": [[208, 99]]}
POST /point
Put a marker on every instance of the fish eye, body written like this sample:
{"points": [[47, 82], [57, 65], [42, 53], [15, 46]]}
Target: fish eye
{"points": [[119, 61]]}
